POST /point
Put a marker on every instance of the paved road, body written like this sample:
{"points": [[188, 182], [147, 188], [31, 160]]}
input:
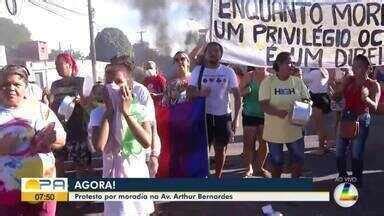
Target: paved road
{"points": [[322, 169]]}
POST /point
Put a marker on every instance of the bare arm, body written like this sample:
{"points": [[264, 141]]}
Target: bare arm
{"points": [[196, 53], [193, 92], [244, 85], [271, 110], [373, 99], [237, 97], [142, 132], [156, 144], [339, 87], [59, 143], [103, 134], [95, 136]]}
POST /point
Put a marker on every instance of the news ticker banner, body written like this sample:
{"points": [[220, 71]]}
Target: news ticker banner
{"points": [[98, 189]]}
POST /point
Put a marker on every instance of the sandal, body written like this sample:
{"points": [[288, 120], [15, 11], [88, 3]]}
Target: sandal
{"points": [[248, 174], [263, 173]]}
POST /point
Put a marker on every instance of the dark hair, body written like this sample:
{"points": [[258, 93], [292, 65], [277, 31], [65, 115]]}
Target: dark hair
{"points": [[180, 53], [250, 68], [211, 44], [364, 59], [124, 60], [20, 70], [280, 58]]}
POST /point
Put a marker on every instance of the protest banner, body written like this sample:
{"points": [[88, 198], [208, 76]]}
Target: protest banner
{"points": [[253, 32]]}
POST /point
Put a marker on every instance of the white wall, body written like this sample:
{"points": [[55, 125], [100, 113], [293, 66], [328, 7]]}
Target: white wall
{"points": [[49, 73], [3, 56]]}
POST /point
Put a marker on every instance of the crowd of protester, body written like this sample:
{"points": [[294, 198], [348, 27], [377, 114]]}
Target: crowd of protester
{"points": [[118, 117]]}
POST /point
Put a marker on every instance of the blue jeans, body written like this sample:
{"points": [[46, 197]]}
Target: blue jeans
{"points": [[295, 149], [358, 144]]}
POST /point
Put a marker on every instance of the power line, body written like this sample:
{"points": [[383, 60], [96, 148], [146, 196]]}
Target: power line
{"points": [[46, 9], [64, 8]]}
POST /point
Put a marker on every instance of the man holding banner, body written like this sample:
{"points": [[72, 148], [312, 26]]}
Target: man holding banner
{"points": [[215, 81]]}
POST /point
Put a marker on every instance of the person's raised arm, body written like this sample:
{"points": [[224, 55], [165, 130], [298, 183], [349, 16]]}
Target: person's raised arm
{"points": [[142, 132], [244, 84], [192, 89], [340, 86], [100, 140], [372, 96]]}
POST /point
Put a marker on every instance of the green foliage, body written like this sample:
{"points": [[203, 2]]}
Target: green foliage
{"points": [[191, 38], [76, 53], [12, 34], [111, 42]]}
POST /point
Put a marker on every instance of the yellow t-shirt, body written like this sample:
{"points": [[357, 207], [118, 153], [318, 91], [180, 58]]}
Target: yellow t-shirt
{"points": [[282, 94]]}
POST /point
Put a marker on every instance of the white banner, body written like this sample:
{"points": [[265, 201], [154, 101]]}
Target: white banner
{"points": [[200, 196], [253, 32]]}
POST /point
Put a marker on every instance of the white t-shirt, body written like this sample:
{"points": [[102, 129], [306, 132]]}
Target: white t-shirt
{"points": [[316, 82], [34, 92], [18, 128], [95, 119], [144, 98], [96, 116], [220, 80]]}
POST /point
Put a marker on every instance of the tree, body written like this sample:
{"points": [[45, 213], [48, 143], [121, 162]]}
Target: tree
{"points": [[11, 34], [111, 42], [76, 53], [53, 54], [191, 38]]}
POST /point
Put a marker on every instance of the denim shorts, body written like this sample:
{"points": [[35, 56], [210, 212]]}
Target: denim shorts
{"points": [[295, 150]]}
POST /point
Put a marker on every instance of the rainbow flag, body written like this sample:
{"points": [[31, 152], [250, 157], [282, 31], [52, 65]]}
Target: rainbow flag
{"points": [[183, 136]]}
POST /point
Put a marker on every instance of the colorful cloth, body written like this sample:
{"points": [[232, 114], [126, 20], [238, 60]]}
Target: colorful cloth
{"points": [[183, 135], [18, 128], [175, 92]]}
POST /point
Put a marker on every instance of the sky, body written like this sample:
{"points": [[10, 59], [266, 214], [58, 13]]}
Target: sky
{"points": [[71, 29]]}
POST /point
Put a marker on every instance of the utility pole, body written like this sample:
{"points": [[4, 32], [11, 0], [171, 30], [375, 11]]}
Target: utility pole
{"points": [[141, 36], [93, 48]]}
